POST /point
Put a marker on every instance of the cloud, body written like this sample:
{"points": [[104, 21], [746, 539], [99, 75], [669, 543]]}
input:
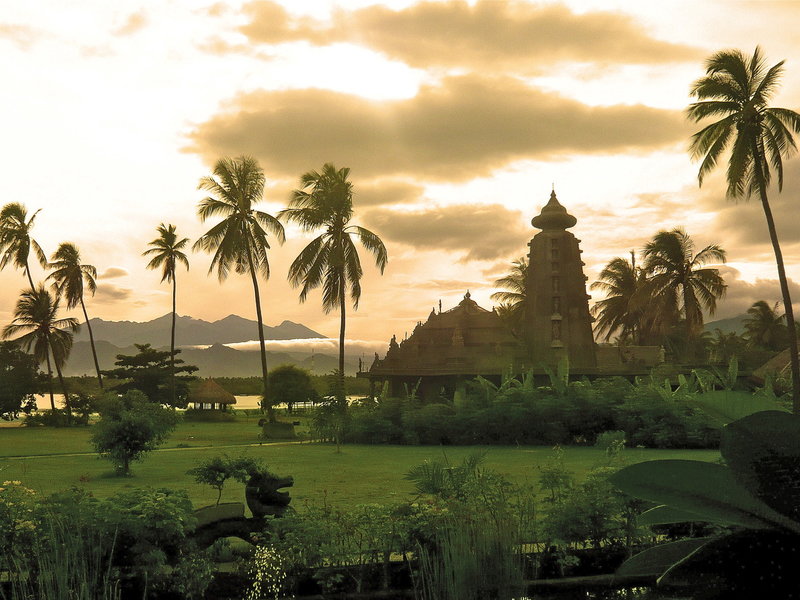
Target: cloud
{"points": [[317, 345], [22, 36], [112, 272], [488, 34], [479, 232], [108, 293], [742, 294], [381, 192], [463, 128], [133, 24]]}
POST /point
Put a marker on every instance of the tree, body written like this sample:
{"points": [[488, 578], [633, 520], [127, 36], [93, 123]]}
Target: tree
{"points": [[629, 308], [764, 327], [216, 470], [130, 427], [35, 317], [514, 298], [291, 384], [19, 381], [239, 241], [69, 276], [167, 251], [330, 261], [738, 88], [726, 346], [678, 278], [15, 239], [153, 373]]}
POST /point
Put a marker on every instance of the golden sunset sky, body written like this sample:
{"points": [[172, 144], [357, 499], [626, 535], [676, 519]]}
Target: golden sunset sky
{"points": [[455, 118]]}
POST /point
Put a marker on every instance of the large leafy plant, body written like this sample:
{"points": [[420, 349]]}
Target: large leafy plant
{"points": [[755, 495]]}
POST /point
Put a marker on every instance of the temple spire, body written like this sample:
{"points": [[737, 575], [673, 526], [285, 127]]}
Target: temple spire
{"points": [[553, 216]]}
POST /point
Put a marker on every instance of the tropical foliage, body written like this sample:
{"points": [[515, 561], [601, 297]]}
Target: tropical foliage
{"points": [[16, 242], [69, 278], [325, 201], [167, 252], [239, 241], [513, 298], [36, 318], [736, 89], [665, 296], [19, 381]]}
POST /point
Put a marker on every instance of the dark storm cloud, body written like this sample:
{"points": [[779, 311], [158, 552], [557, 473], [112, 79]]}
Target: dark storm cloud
{"points": [[463, 128], [478, 232], [487, 34]]}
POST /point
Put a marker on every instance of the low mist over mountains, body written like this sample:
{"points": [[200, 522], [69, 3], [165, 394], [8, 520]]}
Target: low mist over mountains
{"points": [[119, 337]]}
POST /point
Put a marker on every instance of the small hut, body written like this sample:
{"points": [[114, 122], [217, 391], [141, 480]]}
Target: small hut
{"points": [[207, 394]]}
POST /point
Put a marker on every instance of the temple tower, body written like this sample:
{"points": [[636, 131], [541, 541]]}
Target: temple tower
{"points": [[558, 321]]}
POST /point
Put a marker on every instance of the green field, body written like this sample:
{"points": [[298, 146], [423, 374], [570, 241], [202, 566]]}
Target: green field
{"points": [[49, 460]]}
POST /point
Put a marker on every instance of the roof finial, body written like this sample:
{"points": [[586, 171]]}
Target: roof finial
{"points": [[467, 296]]}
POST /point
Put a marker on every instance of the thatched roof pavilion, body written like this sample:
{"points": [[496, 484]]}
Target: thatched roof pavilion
{"points": [[208, 394]]}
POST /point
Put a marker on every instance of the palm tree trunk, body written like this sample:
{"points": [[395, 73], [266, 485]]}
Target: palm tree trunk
{"points": [[794, 360], [50, 378], [28, 273], [172, 339], [342, 310], [265, 404], [787, 302], [63, 385], [91, 341]]}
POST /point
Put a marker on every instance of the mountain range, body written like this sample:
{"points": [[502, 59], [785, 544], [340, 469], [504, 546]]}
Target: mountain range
{"points": [[190, 332], [118, 337]]}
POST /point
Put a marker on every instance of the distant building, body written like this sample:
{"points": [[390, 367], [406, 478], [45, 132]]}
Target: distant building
{"points": [[459, 344]]}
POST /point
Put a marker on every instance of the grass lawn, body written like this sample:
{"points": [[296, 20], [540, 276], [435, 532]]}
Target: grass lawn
{"points": [[49, 460]]}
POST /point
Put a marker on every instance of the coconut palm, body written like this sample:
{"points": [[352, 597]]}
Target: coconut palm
{"points": [[764, 327], [619, 312], [514, 298], [678, 279], [69, 277], [736, 90], [330, 261], [15, 239], [239, 241], [167, 251], [35, 316]]}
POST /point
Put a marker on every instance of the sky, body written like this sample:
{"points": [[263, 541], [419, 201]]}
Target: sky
{"points": [[456, 119]]}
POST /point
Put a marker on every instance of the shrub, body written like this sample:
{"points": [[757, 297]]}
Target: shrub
{"points": [[197, 415]]}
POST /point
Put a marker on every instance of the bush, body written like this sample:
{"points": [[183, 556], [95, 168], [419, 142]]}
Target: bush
{"points": [[46, 418], [197, 415]]}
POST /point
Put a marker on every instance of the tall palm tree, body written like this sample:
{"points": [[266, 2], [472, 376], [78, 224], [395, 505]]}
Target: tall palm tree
{"points": [[167, 251], [239, 241], [620, 312], [678, 278], [514, 298], [737, 88], [69, 277], [35, 317], [325, 200], [15, 239], [764, 327]]}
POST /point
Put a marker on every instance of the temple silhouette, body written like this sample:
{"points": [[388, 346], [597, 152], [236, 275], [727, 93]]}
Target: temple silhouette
{"points": [[456, 345]]}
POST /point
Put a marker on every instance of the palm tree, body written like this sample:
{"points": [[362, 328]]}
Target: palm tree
{"points": [[69, 276], [764, 327], [514, 298], [737, 88], [167, 251], [725, 346], [678, 278], [36, 318], [15, 239], [239, 241], [619, 312], [325, 200]]}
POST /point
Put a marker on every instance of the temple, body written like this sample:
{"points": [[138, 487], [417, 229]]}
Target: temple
{"points": [[459, 344]]}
